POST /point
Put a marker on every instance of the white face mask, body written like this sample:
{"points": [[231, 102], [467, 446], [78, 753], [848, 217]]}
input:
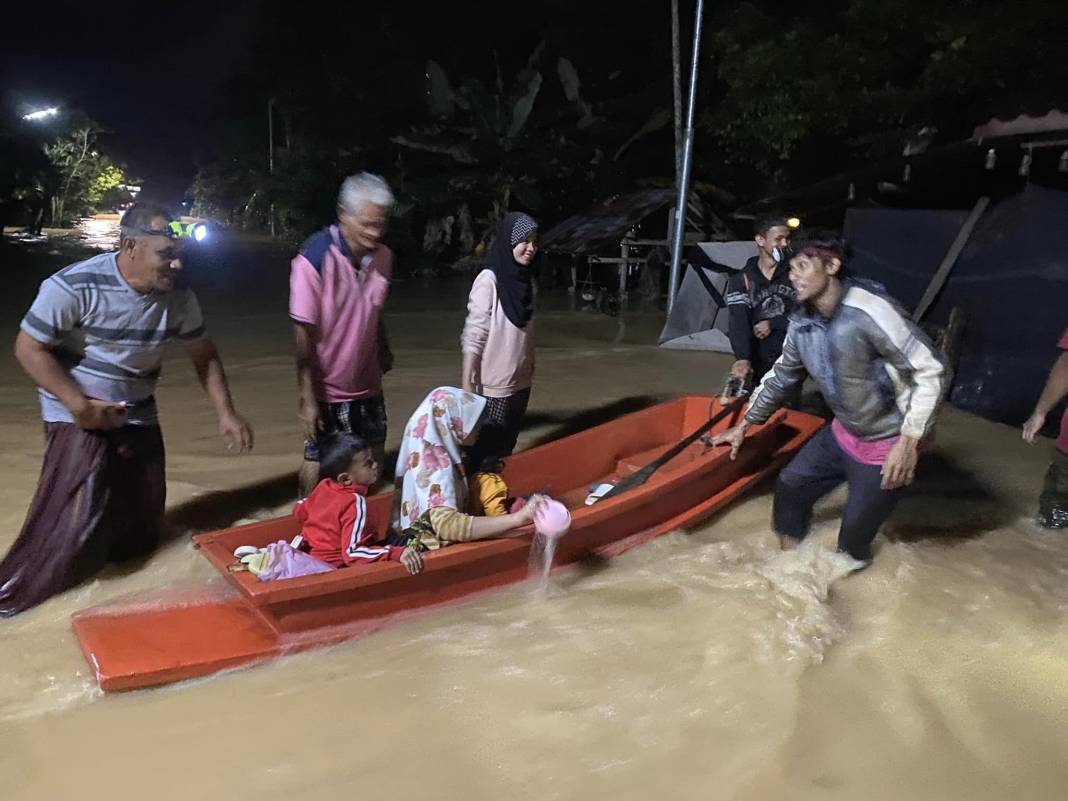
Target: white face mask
{"points": [[776, 254]]}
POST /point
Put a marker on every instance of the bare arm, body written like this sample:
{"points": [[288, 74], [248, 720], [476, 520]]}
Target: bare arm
{"points": [[485, 527], [385, 352], [42, 366], [307, 378], [209, 367], [1055, 391]]}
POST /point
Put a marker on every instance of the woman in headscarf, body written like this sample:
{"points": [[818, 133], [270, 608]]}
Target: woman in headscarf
{"points": [[498, 336], [431, 485]]}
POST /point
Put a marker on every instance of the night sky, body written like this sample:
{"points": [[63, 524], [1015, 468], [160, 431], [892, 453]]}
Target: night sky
{"points": [[182, 85], [165, 79], [155, 75]]}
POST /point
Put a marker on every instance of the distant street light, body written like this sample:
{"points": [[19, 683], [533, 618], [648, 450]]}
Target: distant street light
{"points": [[41, 114]]}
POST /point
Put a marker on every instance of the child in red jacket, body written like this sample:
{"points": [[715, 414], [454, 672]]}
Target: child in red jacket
{"points": [[337, 526]]}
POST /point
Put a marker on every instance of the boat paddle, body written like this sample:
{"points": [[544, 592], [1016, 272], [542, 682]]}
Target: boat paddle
{"points": [[639, 477]]}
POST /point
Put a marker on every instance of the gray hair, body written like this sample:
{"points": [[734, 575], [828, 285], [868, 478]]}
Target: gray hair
{"points": [[364, 188]]}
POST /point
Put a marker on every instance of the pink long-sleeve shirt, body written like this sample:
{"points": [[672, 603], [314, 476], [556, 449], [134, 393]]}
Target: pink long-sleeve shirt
{"points": [[507, 351]]}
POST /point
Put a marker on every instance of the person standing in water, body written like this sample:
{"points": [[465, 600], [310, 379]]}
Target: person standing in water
{"points": [[760, 298], [93, 343], [498, 336], [882, 379], [338, 284], [1053, 502]]}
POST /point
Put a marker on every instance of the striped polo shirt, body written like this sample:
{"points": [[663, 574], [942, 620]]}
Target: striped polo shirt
{"points": [[108, 336]]}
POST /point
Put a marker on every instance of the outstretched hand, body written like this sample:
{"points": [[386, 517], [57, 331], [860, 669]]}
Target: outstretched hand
{"points": [[899, 469], [742, 369], [98, 415], [236, 431], [412, 560], [526, 514], [733, 437], [1033, 426]]}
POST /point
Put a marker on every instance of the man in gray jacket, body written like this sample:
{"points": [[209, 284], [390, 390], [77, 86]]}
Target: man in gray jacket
{"points": [[882, 379]]}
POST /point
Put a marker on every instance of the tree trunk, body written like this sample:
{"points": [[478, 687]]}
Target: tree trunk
{"points": [[58, 209]]}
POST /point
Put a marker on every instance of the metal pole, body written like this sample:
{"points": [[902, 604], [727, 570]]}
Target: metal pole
{"points": [[676, 81], [270, 153], [687, 157]]}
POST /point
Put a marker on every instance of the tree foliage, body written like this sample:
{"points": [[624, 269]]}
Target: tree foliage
{"points": [[468, 114], [82, 175], [531, 141], [56, 179], [807, 91]]}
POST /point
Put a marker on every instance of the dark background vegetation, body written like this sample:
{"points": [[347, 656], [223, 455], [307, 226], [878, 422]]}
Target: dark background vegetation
{"points": [[470, 109]]}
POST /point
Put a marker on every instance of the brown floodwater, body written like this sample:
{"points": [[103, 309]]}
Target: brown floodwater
{"points": [[705, 665]]}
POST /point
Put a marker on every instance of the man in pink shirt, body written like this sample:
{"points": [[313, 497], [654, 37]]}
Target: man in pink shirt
{"points": [[1053, 503], [337, 286]]}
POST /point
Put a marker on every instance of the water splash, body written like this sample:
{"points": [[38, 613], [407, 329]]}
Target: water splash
{"points": [[542, 551]]}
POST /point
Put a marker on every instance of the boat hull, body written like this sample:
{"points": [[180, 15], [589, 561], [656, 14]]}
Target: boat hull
{"points": [[250, 621]]}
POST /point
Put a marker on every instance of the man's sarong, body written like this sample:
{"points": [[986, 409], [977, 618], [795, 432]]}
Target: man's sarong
{"points": [[100, 498]]}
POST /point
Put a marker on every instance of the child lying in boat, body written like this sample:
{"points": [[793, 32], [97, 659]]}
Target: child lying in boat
{"points": [[337, 525], [431, 484]]}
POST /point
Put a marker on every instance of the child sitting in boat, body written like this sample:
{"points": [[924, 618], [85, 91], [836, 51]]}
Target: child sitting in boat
{"points": [[487, 493], [431, 484], [337, 525]]}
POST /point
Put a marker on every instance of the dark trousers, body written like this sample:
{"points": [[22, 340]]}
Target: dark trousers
{"points": [[820, 467], [501, 423]]}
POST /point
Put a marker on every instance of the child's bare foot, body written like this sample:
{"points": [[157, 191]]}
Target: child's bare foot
{"points": [[788, 543]]}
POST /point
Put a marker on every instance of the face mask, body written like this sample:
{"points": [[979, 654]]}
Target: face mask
{"points": [[776, 254]]}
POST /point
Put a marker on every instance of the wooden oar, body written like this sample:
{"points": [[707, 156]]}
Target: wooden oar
{"points": [[639, 477]]}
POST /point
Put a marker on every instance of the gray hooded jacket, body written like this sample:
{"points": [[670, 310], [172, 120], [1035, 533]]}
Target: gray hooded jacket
{"points": [[877, 370]]}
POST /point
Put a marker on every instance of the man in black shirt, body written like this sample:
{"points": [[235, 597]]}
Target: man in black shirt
{"points": [[760, 298]]}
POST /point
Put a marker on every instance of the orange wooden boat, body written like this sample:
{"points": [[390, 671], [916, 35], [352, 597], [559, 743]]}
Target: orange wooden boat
{"points": [[249, 621]]}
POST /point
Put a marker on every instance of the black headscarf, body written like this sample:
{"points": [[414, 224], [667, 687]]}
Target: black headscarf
{"points": [[514, 285]]}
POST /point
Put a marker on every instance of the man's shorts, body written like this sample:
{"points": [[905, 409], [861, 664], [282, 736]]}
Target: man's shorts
{"points": [[365, 418]]}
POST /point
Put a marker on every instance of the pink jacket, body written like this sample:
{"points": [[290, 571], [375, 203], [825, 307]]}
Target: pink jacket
{"points": [[507, 351]]}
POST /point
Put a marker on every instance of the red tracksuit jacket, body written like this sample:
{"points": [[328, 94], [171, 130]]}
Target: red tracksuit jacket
{"points": [[338, 528]]}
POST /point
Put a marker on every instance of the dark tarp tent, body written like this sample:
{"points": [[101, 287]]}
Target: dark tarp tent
{"points": [[698, 320], [1011, 280], [605, 224]]}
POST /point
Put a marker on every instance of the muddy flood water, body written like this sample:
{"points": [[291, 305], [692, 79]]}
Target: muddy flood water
{"points": [[705, 665]]}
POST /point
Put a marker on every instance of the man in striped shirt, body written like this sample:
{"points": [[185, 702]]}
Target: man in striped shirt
{"points": [[93, 342]]}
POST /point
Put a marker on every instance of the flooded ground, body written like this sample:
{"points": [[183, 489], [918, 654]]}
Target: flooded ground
{"points": [[705, 665]]}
